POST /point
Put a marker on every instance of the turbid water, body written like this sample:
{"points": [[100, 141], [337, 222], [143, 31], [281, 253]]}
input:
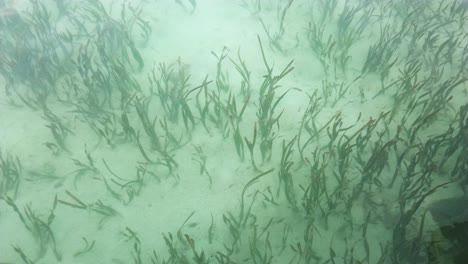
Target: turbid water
{"points": [[233, 131]]}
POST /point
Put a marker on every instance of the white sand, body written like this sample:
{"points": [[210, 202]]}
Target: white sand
{"points": [[165, 202]]}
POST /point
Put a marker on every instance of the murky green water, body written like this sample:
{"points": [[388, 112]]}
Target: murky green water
{"points": [[243, 131]]}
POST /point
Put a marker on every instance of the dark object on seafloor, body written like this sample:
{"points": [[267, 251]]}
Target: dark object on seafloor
{"points": [[451, 215]]}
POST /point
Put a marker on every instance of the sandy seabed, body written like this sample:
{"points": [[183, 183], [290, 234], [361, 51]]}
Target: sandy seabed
{"points": [[107, 195]]}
